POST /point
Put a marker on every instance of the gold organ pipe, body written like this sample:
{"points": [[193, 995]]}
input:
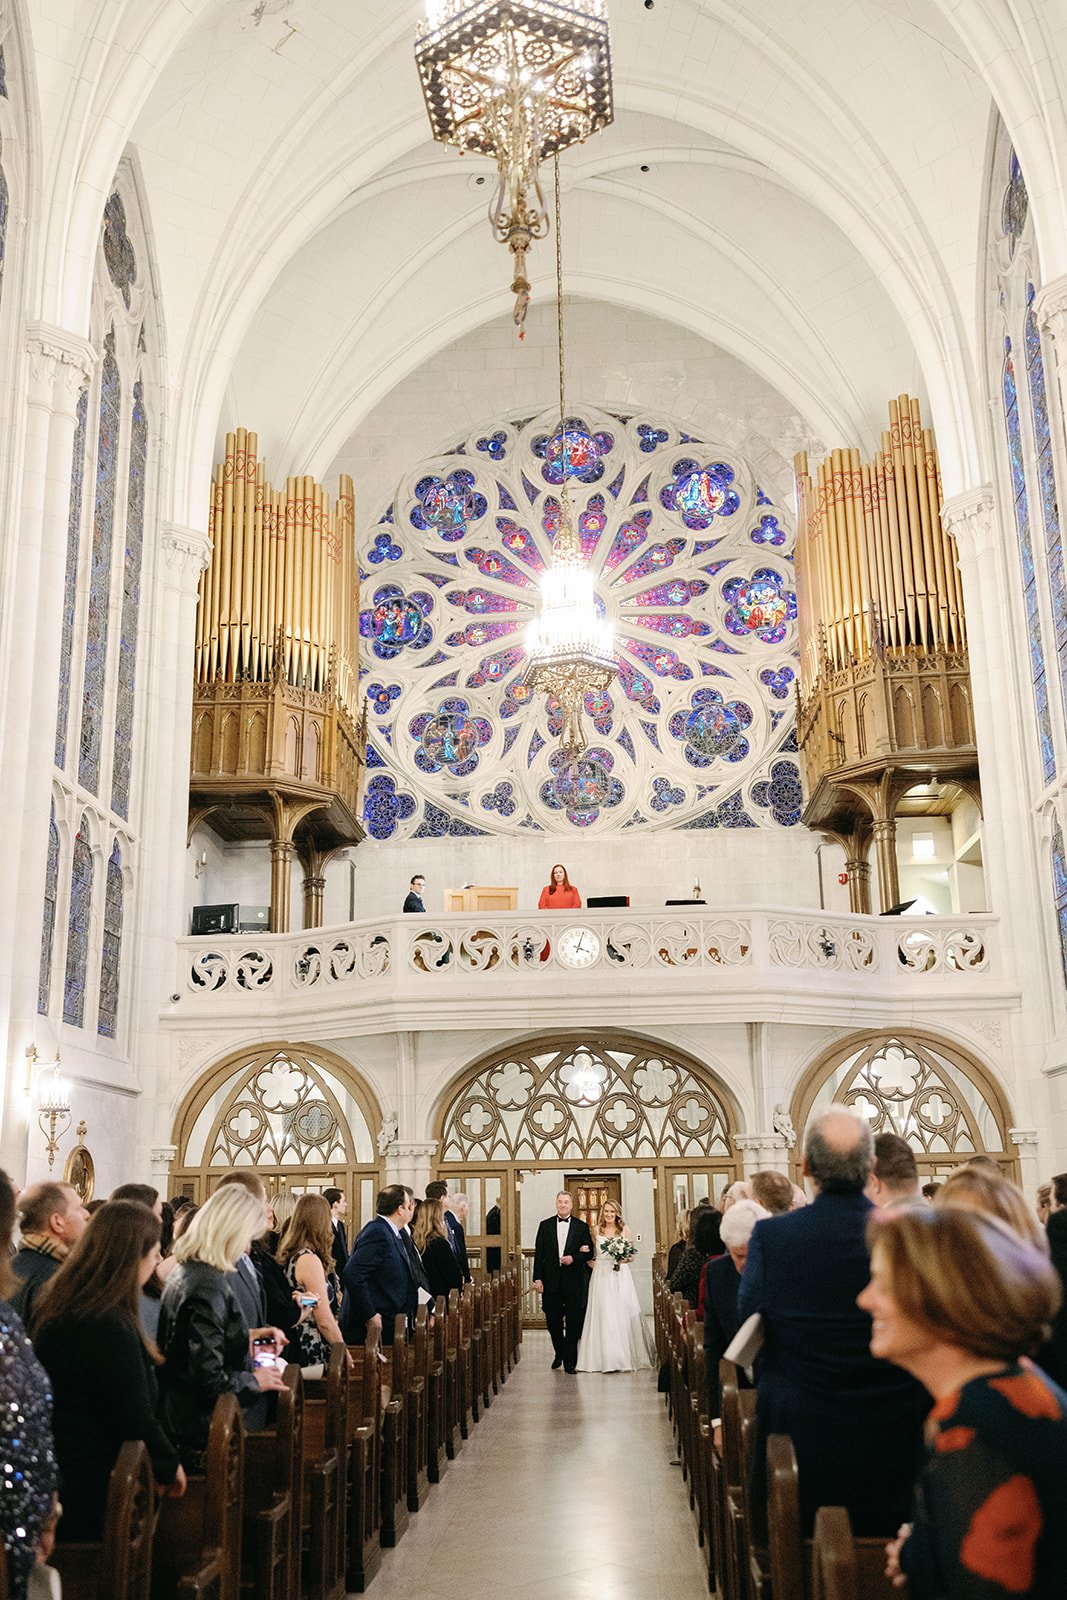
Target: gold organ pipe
{"points": [[248, 568], [237, 552]]}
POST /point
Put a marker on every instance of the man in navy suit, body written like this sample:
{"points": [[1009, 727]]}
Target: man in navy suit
{"points": [[438, 1190], [856, 1422], [379, 1279]]}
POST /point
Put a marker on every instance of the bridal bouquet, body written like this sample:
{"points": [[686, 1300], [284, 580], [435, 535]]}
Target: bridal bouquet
{"points": [[618, 1250]]}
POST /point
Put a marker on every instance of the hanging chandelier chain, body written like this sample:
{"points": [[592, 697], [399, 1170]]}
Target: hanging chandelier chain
{"points": [[559, 297]]}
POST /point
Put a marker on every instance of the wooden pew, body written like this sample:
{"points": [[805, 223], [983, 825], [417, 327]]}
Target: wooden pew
{"points": [[416, 1345], [273, 1498], [119, 1567], [197, 1549], [738, 1426], [792, 1560], [363, 1522], [394, 1494], [465, 1361], [445, 1347], [436, 1396], [325, 1445]]}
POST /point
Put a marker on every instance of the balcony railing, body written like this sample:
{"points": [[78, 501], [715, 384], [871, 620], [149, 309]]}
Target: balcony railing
{"points": [[425, 957]]}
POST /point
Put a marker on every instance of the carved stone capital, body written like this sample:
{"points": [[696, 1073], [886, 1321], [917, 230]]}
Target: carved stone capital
{"points": [[414, 1152], [160, 1157], [1050, 309], [968, 519], [1023, 1136], [61, 363], [759, 1150], [187, 551]]}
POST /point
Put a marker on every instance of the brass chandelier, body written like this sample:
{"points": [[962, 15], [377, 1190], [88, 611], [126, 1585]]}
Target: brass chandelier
{"points": [[517, 82], [571, 645]]}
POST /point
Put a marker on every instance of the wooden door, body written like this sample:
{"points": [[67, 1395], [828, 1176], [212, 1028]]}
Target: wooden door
{"points": [[492, 1216], [591, 1192]]}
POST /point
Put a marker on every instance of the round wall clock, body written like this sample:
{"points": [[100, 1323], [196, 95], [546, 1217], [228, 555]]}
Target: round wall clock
{"points": [[578, 947]]}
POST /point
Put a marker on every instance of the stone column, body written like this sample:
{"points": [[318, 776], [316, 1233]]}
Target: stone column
{"points": [[410, 1164], [1026, 1144], [762, 1150], [858, 870], [59, 365], [160, 1157], [884, 833]]}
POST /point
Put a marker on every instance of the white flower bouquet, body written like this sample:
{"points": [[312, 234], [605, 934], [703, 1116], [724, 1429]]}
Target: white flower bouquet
{"points": [[617, 1251]]}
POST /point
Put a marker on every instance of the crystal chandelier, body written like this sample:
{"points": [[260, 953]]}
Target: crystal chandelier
{"points": [[517, 82], [570, 645]]}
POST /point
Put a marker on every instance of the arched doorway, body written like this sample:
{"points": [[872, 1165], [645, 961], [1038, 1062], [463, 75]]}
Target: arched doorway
{"points": [[299, 1114], [932, 1093], [591, 1112]]}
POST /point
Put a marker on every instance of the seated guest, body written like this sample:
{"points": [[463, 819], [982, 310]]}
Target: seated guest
{"points": [[380, 1281], [439, 1258], [985, 1188], [723, 1280], [958, 1300], [894, 1179], [27, 1460], [203, 1336], [771, 1190], [88, 1335], [51, 1219], [816, 1379], [306, 1254], [704, 1243]]}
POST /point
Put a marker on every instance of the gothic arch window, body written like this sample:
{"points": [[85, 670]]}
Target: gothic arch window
{"points": [[931, 1093], [79, 926], [1059, 890], [298, 1114], [587, 1099], [48, 929], [107, 562]]}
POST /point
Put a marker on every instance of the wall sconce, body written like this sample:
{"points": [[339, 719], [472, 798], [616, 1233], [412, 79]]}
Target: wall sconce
{"points": [[53, 1099], [200, 864]]}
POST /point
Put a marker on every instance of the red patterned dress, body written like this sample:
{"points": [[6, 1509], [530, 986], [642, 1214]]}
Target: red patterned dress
{"points": [[990, 1517]]}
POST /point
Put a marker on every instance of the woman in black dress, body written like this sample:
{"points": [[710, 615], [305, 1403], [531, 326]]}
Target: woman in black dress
{"points": [[430, 1234], [88, 1335]]}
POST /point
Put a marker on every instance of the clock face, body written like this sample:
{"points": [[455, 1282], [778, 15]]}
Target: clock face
{"points": [[578, 947]]}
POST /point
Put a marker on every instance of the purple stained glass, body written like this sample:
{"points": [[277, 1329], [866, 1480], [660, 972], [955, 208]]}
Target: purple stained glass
{"points": [[655, 559], [516, 697], [760, 606], [477, 634], [580, 786], [494, 444], [520, 543], [1059, 891], [1015, 206], [664, 663], [640, 494], [699, 494], [491, 669], [598, 708], [501, 799], [712, 728], [450, 739], [615, 486], [122, 768], [651, 437], [768, 531], [677, 592], [78, 927], [70, 585], [576, 453], [381, 697], [48, 922], [674, 625], [630, 536], [384, 548], [96, 637], [1038, 675], [385, 807], [479, 602], [493, 565], [636, 687], [396, 621], [111, 952], [665, 795], [778, 680], [1048, 491], [447, 506]]}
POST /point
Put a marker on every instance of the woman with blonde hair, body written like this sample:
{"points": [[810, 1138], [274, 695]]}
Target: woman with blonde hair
{"points": [[430, 1233], [204, 1339], [306, 1253], [614, 1336], [959, 1299], [280, 1208], [983, 1188]]}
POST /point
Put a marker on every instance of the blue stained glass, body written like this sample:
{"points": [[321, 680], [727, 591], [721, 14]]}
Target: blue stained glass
{"points": [[781, 794], [70, 586], [48, 924], [1046, 473], [131, 598], [439, 824], [447, 506], [4, 207], [1038, 673], [1059, 891], [111, 953], [78, 927], [3, 74], [96, 639], [385, 807]]}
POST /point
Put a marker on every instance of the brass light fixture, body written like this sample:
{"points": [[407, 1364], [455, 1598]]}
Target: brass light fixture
{"points": [[53, 1100], [570, 645], [517, 82]]}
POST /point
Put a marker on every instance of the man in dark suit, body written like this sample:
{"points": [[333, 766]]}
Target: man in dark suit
{"points": [[856, 1422], [413, 899], [438, 1190], [563, 1256], [338, 1204], [379, 1278]]}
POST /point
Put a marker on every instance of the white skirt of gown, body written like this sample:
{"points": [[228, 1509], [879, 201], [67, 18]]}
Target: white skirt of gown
{"points": [[614, 1336]]}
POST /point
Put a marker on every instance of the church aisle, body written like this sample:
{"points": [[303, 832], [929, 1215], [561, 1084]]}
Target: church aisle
{"points": [[563, 1492]]}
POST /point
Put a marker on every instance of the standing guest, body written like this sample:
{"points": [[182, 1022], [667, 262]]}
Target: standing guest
{"points": [[143, 1193], [704, 1242], [929, 1191], [379, 1279], [306, 1254], [430, 1234], [737, 1191], [682, 1219], [457, 1238], [894, 1179], [182, 1221], [959, 1300], [816, 1379], [979, 1189], [771, 1190], [27, 1459], [204, 1338], [723, 1280], [88, 1335], [1053, 1354], [413, 902], [152, 1292], [492, 1228], [51, 1219], [180, 1203], [563, 1256], [1058, 1196], [94, 1206], [262, 1289], [1044, 1203], [337, 1201], [559, 894], [280, 1208]]}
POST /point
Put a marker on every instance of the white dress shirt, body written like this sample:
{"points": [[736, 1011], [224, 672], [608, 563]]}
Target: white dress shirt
{"points": [[563, 1225]]}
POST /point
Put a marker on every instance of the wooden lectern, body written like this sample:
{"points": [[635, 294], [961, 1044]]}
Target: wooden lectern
{"points": [[482, 897]]}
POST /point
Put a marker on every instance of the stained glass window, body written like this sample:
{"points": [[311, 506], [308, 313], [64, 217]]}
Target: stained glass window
{"points": [[92, 728], [1029, 574], [70, 587], [78, 927], [1046, 478], [111, 955], [1059, 891], [48, 925], [4, 198], [131, 595]]}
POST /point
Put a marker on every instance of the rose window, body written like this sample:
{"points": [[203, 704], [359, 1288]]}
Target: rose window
{"points": [[701, 711]]}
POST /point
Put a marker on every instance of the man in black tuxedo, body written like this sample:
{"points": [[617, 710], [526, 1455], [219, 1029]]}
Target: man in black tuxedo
{"points": [[379, 1279], [563, 1256], [338, 1204], [856, 1422], [438, 1190]]}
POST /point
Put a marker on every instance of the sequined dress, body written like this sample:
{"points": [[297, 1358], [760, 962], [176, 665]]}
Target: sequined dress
{"points": [[28, 1476]]}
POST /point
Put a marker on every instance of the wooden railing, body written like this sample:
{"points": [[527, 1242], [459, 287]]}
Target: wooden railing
{"points": [[304, 1509]]}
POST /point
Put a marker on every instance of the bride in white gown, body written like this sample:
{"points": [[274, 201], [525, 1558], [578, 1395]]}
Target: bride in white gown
{"points": [[614, 1336]]}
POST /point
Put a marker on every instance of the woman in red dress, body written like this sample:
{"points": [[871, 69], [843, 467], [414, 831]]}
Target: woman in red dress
{"points": [[559, 894]]}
